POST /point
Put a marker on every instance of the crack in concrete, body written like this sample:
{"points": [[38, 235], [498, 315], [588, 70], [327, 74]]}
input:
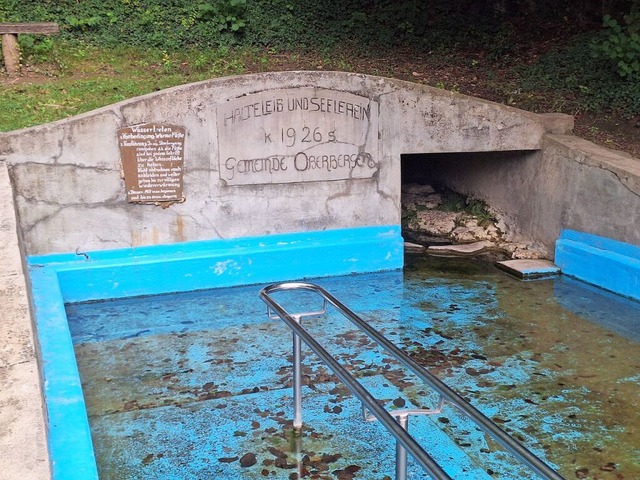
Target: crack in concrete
{"points": [[10, 365], [62, 207], [60, 143], [383, 194], [582, 158], [103, 203], [63, 165], [26, 229], [104, 241], [621, 180], [345, 192]]}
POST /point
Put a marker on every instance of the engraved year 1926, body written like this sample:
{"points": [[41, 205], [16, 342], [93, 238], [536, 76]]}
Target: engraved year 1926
{"points": [[291, 136]]}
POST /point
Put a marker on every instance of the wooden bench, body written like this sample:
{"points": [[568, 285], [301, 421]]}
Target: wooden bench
{"points": [[10, 47]]}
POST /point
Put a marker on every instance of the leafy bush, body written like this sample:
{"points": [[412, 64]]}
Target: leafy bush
{"points": [[227, 15], [586, 80], [82, 24], [622, 45], [36, 48], [167, 24], [285, 24]]}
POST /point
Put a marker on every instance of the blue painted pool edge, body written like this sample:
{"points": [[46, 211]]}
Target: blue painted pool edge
{"points": [[606, 263], [71, 277], [70, 445], [224, 263]]}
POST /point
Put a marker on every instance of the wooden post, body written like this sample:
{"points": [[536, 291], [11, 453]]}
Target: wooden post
{"points": [[11, 53]]}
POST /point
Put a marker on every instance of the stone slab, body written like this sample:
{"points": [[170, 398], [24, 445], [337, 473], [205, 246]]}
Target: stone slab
{"points": [[529, 269], [414, 247], [297, 135], [462, 250]]}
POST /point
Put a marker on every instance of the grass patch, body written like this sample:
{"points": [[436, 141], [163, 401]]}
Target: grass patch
{"points": [[77, 78], [74, 77], [65, 77], [27, 105]]}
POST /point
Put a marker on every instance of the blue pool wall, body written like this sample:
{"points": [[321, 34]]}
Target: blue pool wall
{"points": [[603, 262], [66, 278], [600, 307], [69, 436]]}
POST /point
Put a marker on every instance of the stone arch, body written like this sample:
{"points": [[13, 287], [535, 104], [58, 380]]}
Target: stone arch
{"points": [[241, 175]]}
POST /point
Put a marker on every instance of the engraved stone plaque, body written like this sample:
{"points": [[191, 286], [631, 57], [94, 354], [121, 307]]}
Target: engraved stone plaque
{"points": [[297, 135], [153, 160]]}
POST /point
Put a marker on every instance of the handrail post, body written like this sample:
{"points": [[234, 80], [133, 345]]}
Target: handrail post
{"points": [[408, 443], [297, 378], [401, 452]]}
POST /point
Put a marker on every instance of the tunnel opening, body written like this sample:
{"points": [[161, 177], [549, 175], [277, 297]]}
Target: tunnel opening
{"points": [[466, 197]]}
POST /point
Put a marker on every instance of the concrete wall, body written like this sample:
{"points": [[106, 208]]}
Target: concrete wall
{"points": [[569, 184], [23, 446], [71, 196]]}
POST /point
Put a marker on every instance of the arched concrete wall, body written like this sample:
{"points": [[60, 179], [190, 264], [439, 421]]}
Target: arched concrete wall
{"points": [[68, 179]]}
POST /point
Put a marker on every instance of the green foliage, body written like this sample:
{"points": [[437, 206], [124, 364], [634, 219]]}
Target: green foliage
{"points": [[583, 80], [296, 24], [35, 48], [223, 15], [167, 24], [108, 76], [408, 218], [452, 201], [480, 210], [6, 9], [82, 24], [621, 45], [455, 202], [283, 24]]}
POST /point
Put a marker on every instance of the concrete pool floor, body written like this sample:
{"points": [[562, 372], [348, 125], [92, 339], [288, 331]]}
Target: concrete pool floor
{"points": [[154, 413], [218, 397]]}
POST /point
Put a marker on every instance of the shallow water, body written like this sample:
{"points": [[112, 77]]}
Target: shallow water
{"points": [[197, 385], [578, 347]]}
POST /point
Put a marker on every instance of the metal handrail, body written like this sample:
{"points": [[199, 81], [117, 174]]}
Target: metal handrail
{"points": [[450, 396]]}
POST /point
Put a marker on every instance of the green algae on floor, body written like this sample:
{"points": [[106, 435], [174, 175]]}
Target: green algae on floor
{"points": [[201, 387], [580, 397]]}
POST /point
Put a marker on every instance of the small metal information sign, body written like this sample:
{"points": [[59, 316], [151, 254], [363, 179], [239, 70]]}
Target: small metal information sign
{"points": [[153, 161]]}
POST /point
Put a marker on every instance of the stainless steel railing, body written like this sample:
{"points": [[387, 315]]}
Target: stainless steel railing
{"points": [[405, 442]]}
